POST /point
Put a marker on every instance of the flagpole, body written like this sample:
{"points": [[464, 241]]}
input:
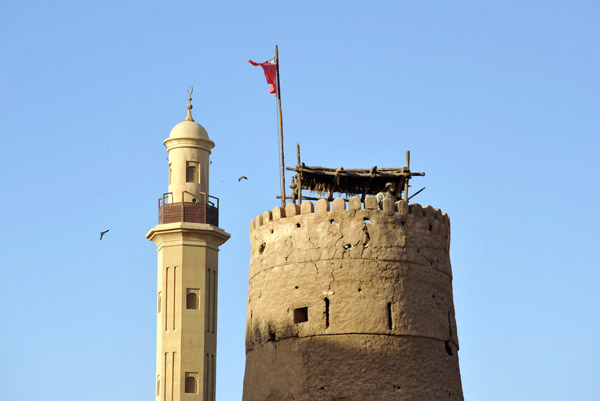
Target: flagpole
{"points": [[280, 130]]}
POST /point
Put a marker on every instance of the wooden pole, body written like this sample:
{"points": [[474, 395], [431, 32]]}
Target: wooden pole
{"points": [[299, 181], [406, 198], [280, 129]]}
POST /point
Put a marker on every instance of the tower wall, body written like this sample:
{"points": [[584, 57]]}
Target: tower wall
{"points": [[351, 304]]}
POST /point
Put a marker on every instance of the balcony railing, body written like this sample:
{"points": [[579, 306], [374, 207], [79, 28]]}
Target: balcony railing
{"points": [[203, 209]]}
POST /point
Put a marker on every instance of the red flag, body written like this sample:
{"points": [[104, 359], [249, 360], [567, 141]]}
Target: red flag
{"points": [[270, 69]]}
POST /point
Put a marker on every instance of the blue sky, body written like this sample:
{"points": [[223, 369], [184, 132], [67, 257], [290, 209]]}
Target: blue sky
{"points": [[497, 101]]}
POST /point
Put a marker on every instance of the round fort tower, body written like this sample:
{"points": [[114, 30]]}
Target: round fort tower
{"points": [[351, 303]]}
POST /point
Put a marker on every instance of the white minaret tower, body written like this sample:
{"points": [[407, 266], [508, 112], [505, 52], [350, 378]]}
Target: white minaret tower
{"points": [[188, 240]]}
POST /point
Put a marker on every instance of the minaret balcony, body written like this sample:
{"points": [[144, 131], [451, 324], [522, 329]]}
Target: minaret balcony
{"points": [[203, 208]]}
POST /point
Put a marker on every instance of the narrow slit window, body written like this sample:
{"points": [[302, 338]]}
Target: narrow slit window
{"points": [[301, 315], [326, 312], [389, 315]]}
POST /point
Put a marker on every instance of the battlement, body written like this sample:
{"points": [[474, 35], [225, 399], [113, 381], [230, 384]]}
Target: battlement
{"points": [[338, 205]]}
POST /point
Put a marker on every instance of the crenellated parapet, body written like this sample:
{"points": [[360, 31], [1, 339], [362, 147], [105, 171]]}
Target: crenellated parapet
{"points": [[337, 230], [324, 206]]}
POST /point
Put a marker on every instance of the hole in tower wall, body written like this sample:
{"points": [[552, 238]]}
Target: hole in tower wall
{"points": [[301, 315], [272, 336], [389, 315], [332, 221], [402, 223], [326, 312], [448, 348], [366, 219], [261, 248], [297, 225], [347, 246], [430, 227]]}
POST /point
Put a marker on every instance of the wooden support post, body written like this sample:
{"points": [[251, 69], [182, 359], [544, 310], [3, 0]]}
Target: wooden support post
{"points": [[299, 180], [407, 179]]}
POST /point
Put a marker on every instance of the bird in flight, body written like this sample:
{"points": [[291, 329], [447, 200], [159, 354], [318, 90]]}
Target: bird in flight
{"points": [[102, 233], [242, 178]]}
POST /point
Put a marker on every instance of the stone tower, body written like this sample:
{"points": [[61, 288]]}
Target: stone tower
{"points": [[351, 302], [188, 239]]}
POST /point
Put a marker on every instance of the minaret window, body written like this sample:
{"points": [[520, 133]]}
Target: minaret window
{"points": [[192, 301], [191, 172], [192, 298], [191, 385]]}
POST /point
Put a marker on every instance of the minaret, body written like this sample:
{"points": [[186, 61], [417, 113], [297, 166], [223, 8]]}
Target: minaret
{"points": [[188, 240]]}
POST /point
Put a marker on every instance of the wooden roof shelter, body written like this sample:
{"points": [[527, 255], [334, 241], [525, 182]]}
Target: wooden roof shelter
{"points": [[363, 182]]}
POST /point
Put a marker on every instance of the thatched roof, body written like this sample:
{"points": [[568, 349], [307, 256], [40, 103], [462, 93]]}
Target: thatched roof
{"points": [[352, 181]]}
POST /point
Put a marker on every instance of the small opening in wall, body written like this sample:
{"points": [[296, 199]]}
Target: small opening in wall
{"points": [[297, 225], [326, 312], [296, 287], [402, 223], [366, 219], [360, 289], [332, 221], [261, 248], [430, 227], [271, 231], [448, 347], [301, 315], [322, 388], [433, 296], [272, 336], [347, 246], [389, 315]]}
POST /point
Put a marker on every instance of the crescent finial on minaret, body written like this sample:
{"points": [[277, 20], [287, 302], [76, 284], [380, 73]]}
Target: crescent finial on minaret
{"points": [[189, 106]]}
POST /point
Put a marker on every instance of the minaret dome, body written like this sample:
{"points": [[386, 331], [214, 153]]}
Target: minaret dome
{"points": [[189, 149]]}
